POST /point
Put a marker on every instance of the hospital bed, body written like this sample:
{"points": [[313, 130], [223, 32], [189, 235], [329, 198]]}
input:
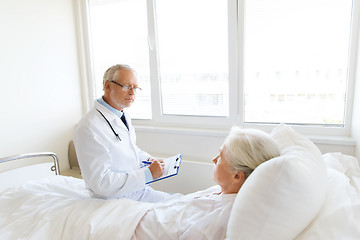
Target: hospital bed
{"points": [[300, 195]]}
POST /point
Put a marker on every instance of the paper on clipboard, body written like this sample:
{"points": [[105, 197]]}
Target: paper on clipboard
{"points": [[172, 165]]}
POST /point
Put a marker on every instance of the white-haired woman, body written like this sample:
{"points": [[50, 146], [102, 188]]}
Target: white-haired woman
{"points": [[205, 214], [242, 151]]}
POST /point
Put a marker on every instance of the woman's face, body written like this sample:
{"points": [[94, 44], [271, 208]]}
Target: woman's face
{"points": [[223, 174]]}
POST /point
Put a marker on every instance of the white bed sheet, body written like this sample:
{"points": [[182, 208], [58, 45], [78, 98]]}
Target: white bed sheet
{"points": [[51, 209]]}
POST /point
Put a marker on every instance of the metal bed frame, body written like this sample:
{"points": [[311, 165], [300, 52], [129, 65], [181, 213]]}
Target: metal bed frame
{"points": [[31, 155]]}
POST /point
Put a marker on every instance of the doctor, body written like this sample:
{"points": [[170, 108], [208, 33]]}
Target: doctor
{"points": [[105, 143]]}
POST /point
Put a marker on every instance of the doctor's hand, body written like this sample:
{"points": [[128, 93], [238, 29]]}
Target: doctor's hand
{"points": [[156, 168]]}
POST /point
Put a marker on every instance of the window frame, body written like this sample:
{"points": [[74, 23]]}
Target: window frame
{"points": [[159, 119], [308, 129], [236, 9]]}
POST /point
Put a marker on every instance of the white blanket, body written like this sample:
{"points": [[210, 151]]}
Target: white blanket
{"points": [[61, 208], [202, 215]]}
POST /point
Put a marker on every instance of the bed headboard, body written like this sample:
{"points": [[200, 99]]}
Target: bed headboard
{"points": [[72, 155], [18, 169]]}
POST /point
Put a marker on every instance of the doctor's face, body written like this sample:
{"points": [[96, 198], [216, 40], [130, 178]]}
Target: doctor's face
{"points": [[117, 92]]}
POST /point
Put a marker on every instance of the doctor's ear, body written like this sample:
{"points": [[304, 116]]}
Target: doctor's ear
{"points": [[107, 86]]}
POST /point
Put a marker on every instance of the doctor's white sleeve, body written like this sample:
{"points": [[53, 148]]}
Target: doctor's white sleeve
{"points": [[143, 156]]}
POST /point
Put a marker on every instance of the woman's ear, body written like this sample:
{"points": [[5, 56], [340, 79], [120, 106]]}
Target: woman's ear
{"points": [[238, 180], [239, 176]]}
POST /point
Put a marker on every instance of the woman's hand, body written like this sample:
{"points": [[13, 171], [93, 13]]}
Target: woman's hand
{"points": [[156, 167]]}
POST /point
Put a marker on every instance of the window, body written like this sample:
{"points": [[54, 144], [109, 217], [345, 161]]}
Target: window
{"points": [[191, 52], [119, 34], [296, 61], [217, 62], [193, 57]]}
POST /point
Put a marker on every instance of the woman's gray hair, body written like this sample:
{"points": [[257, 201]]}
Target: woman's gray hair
{"points": [[245, 149], [113, 71]]}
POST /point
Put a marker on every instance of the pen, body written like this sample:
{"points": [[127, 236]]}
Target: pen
{"points": [[147, 162]]}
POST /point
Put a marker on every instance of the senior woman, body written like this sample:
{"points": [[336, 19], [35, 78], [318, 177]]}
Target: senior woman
{"points": [[205, 214]]}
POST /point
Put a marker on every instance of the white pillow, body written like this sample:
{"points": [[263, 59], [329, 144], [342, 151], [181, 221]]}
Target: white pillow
{"points": [[339, 216], [282, 195]]}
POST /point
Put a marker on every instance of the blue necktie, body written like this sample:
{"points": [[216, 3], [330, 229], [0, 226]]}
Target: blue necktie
{"points": [[123, 119]]}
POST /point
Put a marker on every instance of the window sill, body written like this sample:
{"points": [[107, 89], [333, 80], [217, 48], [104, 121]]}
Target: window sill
{"points": [[316, 139]]}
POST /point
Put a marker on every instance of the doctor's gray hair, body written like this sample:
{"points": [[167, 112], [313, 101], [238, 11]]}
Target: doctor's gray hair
{"points": [[245, 149], [112, 72]]}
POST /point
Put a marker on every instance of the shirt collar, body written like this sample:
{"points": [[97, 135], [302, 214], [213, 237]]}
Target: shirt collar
{"points": [[113, 110]]}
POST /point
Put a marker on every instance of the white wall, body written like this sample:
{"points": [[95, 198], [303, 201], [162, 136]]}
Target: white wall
{"points": [[195, 145], [40, 100], [203, 145]]}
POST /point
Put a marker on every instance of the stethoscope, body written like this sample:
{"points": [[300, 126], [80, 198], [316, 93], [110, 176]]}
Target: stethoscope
{"points": [[115, 133]]}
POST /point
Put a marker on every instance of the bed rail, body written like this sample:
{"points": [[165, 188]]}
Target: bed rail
{"points": [[38, 154]]}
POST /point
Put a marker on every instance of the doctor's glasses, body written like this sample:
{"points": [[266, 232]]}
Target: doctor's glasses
{"points": [[127, 88]]}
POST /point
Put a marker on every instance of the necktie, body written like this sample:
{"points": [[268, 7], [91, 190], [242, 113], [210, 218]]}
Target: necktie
{"points": [[123, 119]]}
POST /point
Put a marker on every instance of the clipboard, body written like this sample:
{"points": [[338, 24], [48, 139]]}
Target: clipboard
{"points": [[172, 165]]}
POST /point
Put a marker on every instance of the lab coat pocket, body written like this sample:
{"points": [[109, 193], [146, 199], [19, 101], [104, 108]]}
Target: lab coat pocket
{"points": [[124, 154]]}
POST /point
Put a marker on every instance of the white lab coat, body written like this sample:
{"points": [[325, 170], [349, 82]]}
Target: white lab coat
{"points": [[111, 168]]}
